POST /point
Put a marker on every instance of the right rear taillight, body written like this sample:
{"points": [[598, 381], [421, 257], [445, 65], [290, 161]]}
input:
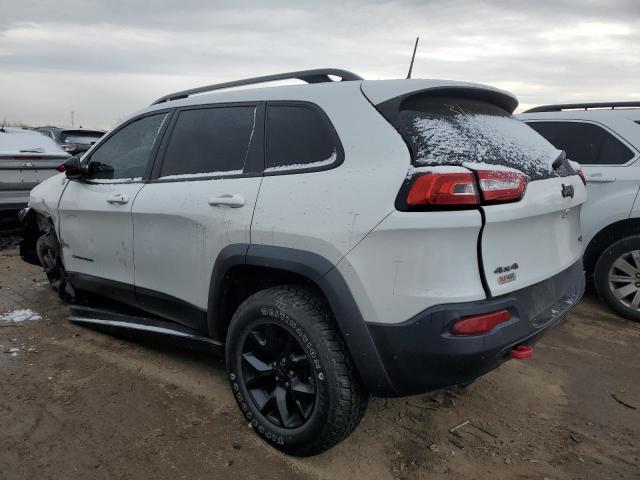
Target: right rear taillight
{"points": [[582, 177], [443, 189], [501, 186]]}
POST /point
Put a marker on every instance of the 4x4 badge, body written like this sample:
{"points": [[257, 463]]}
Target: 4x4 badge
{"points": [[567, 191]]}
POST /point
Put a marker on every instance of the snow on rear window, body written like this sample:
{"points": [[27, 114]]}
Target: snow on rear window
{"points": [[455, 131]]}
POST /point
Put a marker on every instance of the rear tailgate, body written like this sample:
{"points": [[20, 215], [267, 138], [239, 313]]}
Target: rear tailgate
{"points": [[23, 172], [527, 240]]}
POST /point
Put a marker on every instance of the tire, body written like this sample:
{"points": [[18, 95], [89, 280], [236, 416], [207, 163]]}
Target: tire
{"points": [[324, 399], [612, 283], [48, 250]]}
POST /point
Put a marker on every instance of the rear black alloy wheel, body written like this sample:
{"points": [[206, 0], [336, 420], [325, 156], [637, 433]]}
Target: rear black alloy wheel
{"points": [[278, 376], [617, 277], [291, 372]]}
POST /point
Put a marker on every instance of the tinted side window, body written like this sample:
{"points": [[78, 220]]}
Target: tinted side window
{"points": [[613, 151], [584, 143], [298, 137], [126, 153], [581, 141], [210, 141]]}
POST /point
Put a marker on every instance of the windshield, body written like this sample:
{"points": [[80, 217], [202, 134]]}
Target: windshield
{"points": [[454, 131]]}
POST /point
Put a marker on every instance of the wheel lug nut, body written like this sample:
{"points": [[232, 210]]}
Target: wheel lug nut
{"points": [[286, 384], [291, 373], [277, 378]]}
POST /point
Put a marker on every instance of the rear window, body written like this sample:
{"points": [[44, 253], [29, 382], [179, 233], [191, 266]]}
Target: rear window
{"points": [[585, 143], [81, 138], [444, 130]]}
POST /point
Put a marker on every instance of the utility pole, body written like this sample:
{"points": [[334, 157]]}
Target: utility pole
{"points": [[72, 118]]}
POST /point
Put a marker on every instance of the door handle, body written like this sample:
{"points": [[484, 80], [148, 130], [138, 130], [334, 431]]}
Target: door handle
{"points": [[600, 179], [118, 199], [233, 201]]}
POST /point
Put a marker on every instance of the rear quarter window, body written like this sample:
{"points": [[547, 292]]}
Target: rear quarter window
{"points": [[300, 137], [447, 130]]}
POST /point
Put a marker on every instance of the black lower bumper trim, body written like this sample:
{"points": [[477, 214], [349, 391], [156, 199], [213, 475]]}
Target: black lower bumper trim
{"points": [[421, 354]]}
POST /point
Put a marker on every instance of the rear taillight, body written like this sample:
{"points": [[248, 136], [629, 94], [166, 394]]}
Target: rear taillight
{"points": [[582, 177], [444, 189], [501, 186], [479, 324], [459, 189], [60, 167]]}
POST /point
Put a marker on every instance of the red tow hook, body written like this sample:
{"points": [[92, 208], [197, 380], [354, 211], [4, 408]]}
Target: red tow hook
{"points": [[521, 352]]}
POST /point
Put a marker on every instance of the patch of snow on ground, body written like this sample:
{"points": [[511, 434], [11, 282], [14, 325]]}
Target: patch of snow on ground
{"points": [[17, 316]]}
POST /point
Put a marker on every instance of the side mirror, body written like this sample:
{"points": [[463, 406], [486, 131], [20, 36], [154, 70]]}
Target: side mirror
{"points": [[73, 169]]}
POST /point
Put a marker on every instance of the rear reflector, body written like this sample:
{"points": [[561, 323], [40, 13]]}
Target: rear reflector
{"points": [[60, 167], [501, 186], [443, 189], [478, 324]]}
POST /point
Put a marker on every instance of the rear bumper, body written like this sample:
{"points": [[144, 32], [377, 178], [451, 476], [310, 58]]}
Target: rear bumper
{"points": [[13, 199], [421, 354]]}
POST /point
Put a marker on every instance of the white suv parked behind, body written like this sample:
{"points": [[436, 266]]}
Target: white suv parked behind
{"points": [[333, 240], [605, 139]]}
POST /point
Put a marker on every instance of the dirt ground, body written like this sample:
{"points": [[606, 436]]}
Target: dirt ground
{"points": [[75, 403]]}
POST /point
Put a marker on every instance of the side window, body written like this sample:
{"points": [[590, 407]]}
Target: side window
{"points": [[613, 151], [126, 153], [298, 137], [585, 143], [210, 141]]}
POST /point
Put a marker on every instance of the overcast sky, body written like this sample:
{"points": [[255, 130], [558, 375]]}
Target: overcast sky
{"points": [[106, 59]]}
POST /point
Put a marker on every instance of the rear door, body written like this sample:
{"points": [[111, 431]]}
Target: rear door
{"points": [[606, 158], [200, 201], [96, 227], [527, 240]]}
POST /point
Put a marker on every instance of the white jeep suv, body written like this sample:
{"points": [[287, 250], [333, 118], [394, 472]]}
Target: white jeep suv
{"points": [[333, 240], [605, 139]]}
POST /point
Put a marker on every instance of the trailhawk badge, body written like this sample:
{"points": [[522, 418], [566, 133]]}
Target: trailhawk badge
{"points": [[506, 273]]}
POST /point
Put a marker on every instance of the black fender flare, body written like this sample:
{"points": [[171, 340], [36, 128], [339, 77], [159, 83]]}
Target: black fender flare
{"points": [[322, 273]]}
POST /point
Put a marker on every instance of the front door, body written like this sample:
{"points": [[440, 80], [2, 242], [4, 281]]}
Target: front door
{"points": [[96, 228]]}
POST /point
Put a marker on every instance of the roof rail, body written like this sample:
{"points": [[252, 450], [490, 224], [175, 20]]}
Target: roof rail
{"points": [[319, 75], [569, 106]]}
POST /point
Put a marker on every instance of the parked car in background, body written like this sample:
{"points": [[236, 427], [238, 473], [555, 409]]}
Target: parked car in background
{"points": [[605, 139], [73, 141], [26, 159], [334, 240]]}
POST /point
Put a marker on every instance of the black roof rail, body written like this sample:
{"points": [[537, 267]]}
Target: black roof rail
{"points": [[585, 106], [319, 75]]}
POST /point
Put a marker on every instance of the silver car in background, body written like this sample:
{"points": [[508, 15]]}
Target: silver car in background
{"points": [[26, 159]]}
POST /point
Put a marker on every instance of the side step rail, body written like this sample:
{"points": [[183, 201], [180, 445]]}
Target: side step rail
{"points": [[116, 322]]}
